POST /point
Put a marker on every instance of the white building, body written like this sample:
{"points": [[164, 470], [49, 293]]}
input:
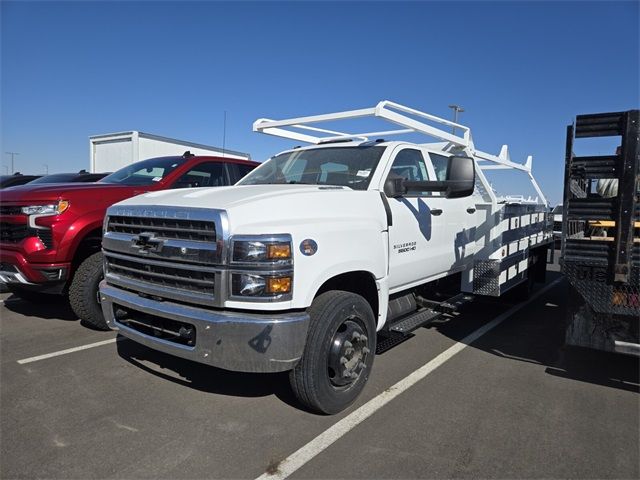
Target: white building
{"points": [[113, 151]]}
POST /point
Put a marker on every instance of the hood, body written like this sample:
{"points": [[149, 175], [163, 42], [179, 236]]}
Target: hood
{"points": [[273, 208], [67, 191], [229, 197]]}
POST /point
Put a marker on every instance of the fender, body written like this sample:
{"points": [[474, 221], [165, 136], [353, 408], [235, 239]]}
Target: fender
{"points": [[75, 233]]}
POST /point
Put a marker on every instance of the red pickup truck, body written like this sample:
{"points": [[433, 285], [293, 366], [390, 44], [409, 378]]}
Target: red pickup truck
{"points": [[50, 234]]}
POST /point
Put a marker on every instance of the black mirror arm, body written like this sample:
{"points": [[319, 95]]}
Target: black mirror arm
{"points": [[427, 186]]}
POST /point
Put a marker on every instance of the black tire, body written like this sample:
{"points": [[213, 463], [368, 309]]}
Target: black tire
{"points": [[31, 296], [338, 321], [83, 292]]}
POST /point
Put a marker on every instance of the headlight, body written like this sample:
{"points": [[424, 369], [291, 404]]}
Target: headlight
{"points": [[261, 268], [262, 249], [51, 209], [250, 285]]}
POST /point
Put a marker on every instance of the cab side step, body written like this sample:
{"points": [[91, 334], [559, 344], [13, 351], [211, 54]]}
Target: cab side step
{"points": [[400, 330], [414, 321], [448, 306]]}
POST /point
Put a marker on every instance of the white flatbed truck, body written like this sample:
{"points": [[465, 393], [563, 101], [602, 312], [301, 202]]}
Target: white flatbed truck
{"points": [[321, 252]]}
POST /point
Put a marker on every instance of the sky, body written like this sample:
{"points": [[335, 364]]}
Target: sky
{"points": [[521, 71]]}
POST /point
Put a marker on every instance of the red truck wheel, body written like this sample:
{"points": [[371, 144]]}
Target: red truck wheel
{"points": [[83, 293]]}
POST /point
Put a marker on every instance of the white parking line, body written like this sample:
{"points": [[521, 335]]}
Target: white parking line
{"points": [[299, 458], [68, 350]]}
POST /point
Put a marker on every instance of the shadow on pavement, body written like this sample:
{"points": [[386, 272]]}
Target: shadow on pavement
{"points": [[535, 335], [50, 307], [206, 378]]}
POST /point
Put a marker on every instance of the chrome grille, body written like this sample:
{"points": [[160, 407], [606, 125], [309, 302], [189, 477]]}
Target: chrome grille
{"points": [[165, 252], [182, 282], [195, 280], [183, 229]]}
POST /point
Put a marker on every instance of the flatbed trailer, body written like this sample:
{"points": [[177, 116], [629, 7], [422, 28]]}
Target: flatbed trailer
{"points": [[601, 236]]}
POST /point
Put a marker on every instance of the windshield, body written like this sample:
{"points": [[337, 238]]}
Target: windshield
{"points": [[345, 166], [55, 178], [145, 172]]}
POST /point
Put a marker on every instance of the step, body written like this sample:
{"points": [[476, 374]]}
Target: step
{"points": [[388, 340], [414, 321]]}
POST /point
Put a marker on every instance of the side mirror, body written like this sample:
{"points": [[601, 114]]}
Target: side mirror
{"points": [[461, 177], [394, 186]]}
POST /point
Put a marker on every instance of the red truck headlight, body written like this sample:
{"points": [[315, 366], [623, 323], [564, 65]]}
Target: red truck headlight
{"points": [[51, 209]]}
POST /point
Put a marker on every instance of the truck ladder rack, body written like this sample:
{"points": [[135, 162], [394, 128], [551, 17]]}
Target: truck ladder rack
{"points": [[411, 120]]}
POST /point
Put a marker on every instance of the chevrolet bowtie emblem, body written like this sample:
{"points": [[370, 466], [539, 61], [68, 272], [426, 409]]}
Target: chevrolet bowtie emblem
{"points": [[147, 242]]}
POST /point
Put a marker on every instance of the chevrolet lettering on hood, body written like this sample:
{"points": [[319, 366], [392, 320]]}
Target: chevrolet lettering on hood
{"points": [[177, 214]]}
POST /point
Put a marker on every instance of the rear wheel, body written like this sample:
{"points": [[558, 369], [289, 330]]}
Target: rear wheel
{"points": [[338, 354], [84, 292]]}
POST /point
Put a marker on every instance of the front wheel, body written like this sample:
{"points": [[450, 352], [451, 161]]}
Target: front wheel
{"points": [[84, 293], [338, 354]]}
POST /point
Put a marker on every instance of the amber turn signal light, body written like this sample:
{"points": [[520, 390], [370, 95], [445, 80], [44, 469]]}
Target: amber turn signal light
{"points": [[278, 250], [278, 285]]}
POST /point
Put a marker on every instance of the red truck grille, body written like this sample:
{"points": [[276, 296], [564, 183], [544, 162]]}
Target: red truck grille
{"points": [[10, 210], [16, 232], [13, 232]]}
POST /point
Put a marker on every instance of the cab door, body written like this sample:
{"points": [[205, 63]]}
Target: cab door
{"points": [[418, 245], [459, 219]]}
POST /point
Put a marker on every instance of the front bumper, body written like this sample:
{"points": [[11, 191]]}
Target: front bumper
{"points": [[9, 276], [15, 269], [234, 341]]}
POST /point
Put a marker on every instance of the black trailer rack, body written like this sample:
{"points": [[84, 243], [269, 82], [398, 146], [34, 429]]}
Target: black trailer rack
{"points": [[600, 242]]}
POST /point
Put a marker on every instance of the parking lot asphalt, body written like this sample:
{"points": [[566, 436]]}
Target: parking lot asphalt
{"points": [[515, 403]]}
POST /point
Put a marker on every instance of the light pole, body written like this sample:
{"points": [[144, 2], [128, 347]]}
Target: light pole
{"points": [[13, 154], [46, 169], [224, 132], [456, 109]]}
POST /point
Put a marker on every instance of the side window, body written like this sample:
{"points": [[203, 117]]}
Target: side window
{"points": [[409, 164], [440, 165], [209, 174]]}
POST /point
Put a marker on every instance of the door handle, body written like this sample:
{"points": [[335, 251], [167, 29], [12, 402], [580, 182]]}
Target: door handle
{"points": [[436, 211], [471, 210]]}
